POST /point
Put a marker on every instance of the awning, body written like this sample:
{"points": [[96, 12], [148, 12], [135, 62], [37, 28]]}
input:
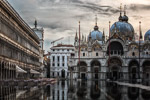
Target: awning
{"points": [[20, 70], [34, 71]]}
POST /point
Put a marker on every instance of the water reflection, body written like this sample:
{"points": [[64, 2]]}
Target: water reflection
{"points": [[114, 91], [74, 90]]}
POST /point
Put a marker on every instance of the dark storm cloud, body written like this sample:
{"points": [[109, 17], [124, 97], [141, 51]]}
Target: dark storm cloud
{"points": [[86, 6], [137, 17], [97, 8], [137, 7]]}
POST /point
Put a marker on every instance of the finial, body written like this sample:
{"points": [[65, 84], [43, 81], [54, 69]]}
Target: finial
{"points": [[35, 23], [95, 20], [103, 31], [120, 17], [109, 22], [124, 9], [85, 39], [120, 9], [90, 34], [82, 37], [76, 33], [140, 30]]}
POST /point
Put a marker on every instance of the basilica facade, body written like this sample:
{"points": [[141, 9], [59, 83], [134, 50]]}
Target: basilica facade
{"points": [[121, 56]]}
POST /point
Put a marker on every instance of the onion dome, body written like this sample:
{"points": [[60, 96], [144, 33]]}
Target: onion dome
{"points": [[123, 28], [125, 18], [147, 35], [96, 34]]}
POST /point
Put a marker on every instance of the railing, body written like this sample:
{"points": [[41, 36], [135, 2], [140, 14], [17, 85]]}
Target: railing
{"points": [[115, 52]]}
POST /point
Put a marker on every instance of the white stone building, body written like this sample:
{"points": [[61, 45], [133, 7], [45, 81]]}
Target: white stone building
{"points": [[59, 59]]}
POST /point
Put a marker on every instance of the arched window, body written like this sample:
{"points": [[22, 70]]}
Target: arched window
{"points": [[83, 54], [96, 54], [115, 48], [133, 54]]}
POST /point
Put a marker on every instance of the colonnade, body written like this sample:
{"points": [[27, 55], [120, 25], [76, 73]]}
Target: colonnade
{"points": [[7, 71]]}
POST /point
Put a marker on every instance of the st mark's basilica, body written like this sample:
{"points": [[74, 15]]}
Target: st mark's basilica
{"points": [[124, 55]]}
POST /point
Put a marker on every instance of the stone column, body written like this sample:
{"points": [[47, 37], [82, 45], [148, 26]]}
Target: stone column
{"points": [[5, 73], [0, 71], [11, 72], [6, 70]]}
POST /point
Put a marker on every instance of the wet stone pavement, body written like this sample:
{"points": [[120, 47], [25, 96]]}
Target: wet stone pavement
{"points": [[77, 90]]}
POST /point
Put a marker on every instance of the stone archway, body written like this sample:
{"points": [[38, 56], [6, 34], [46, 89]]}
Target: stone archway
{"points": [[95, 68], [146, 73], [133, 70], [82, 69], [114, 65]]}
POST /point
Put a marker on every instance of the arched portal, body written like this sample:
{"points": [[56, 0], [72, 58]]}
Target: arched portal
{"points": [[114, 65], [82, 69], [95, 68], [146, 72], [115, 48], [133, 70]]}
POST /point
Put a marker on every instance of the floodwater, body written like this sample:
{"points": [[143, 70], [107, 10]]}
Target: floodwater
{"points": [[77, 90]]}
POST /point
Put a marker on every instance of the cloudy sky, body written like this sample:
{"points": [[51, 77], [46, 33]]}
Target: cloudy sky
{"points": [[59, 18]]}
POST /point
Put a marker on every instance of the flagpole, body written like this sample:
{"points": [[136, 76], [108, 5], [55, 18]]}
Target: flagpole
{"points": [[79, 50], [139, 48], [109, 49]]}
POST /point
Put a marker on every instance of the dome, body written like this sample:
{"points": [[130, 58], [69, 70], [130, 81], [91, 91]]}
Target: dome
{"points": [[125, 18], [147, 35], [124, 28], [96, 34]]}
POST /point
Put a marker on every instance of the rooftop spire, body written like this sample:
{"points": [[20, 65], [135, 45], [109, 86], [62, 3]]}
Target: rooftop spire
{"points": [[103, 32], [95, 20], [140, 30], [85, 39], [96, 27], [35, 23], [103, 35], [120, 17], [82, 37], [124, 9], [120, 9], [76, 36]]}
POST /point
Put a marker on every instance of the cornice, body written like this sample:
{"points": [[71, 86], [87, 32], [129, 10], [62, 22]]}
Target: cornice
{"points": [[17, 45], [15, 16]]}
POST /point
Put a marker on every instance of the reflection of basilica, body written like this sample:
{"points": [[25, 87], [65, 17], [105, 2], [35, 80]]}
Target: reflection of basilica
{"points": [[115, 58], [101, 90]]}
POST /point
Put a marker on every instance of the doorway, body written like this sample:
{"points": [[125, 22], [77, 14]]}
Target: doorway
{"points": [[115, 75], [83, 76]]}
